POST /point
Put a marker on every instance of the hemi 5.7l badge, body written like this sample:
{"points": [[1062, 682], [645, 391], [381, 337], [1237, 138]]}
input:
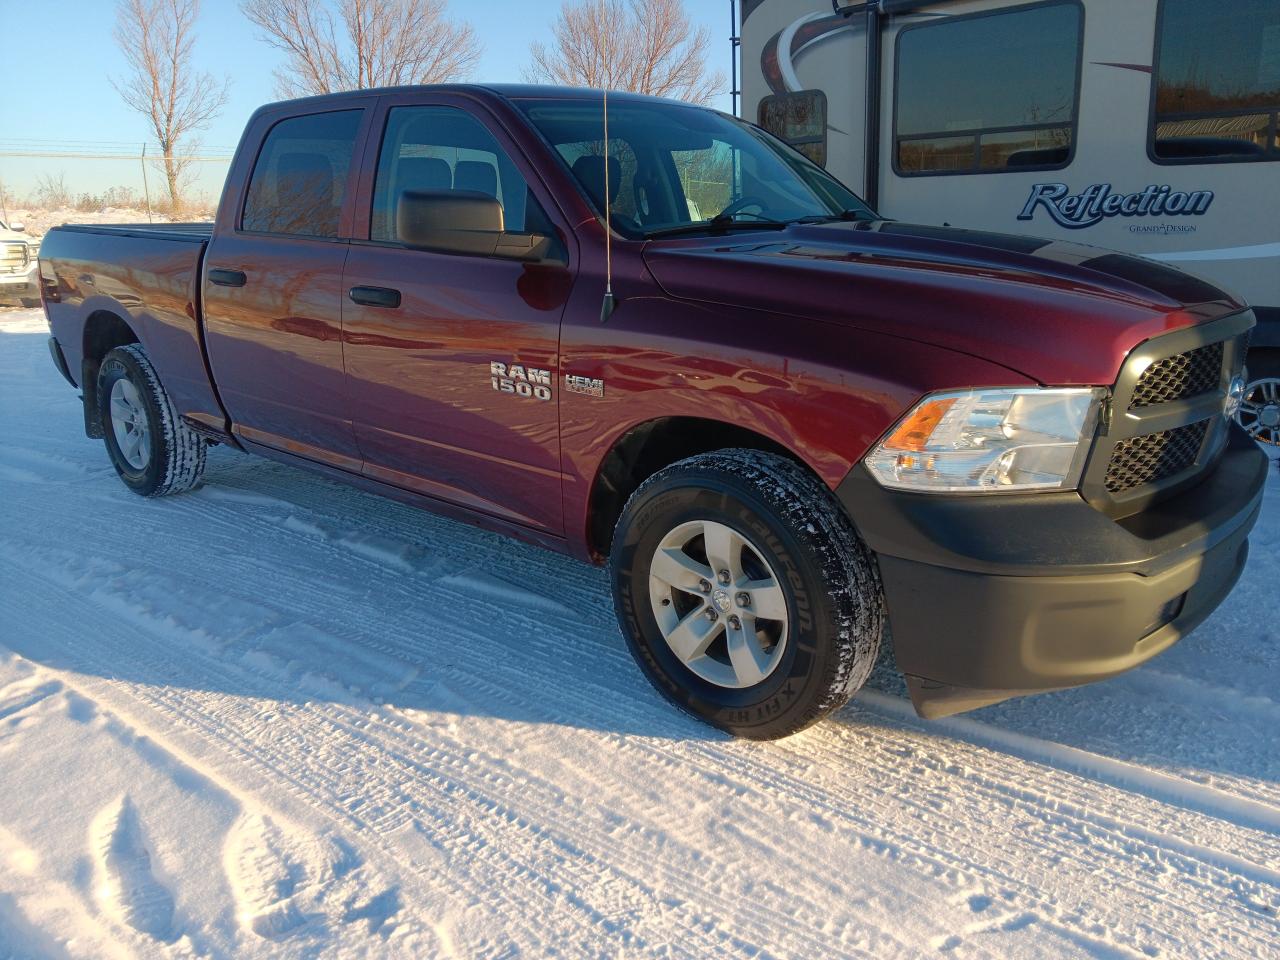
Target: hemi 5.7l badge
{"points": [[588, 386], [520, 380]]}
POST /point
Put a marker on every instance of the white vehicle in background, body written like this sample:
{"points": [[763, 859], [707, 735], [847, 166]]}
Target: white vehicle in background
{"points": [[1148, 126], [19, 275]]}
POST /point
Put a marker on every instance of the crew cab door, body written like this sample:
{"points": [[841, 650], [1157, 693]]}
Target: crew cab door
{"points": [[272, 284], [452, 359]]}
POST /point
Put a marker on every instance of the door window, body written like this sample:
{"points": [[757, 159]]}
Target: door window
{"points": [[445, 148], [988, 93], [1217, 82], [299, 181]]}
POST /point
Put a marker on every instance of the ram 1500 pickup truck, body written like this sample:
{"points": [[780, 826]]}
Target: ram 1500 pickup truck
{"points": [[693, 355]]}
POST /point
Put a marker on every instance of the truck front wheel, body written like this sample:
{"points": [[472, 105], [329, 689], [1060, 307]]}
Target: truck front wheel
{"points": [[153, 451], [745, 593]]}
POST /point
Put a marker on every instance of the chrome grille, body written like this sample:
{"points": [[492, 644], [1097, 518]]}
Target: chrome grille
{"points": [[1154, 457], [1183, 375], [13, 256]]}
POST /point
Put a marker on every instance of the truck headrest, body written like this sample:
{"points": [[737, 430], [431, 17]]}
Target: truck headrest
{"points": [[423, 173], [476, 175], [590, 171]]}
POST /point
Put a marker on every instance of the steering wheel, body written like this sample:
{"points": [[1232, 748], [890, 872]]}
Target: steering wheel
{"points": [[739, 205]]}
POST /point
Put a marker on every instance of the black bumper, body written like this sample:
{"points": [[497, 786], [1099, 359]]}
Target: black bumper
{"points": [[990, 597]]}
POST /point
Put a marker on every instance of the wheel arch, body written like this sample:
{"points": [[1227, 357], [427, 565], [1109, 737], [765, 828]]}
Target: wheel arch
{"points": [[104, 330], [644, 448]]}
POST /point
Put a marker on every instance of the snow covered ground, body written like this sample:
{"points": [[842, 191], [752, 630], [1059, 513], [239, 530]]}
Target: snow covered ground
{"points": [[281, 718]]}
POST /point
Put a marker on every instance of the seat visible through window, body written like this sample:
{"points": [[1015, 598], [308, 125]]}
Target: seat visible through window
{"points": [[300, 178], [432, 148], [476, 175]]}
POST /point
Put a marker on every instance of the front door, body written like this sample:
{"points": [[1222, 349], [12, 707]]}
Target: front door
{"points": [[452, 359], [273, 291]]}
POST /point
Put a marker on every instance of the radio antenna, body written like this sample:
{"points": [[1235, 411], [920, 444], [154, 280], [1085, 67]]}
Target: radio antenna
{"points": [[606, 307]]}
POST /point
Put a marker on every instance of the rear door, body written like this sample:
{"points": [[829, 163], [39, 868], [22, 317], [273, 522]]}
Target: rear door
{"points": [[273, 285], [453, 380]]}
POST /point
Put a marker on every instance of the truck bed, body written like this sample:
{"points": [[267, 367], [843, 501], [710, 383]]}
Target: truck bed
{"points": [[190, 232], [146, 274]]}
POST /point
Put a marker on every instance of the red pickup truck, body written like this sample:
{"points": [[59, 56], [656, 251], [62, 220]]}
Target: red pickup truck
{"points": [[791, 421]]}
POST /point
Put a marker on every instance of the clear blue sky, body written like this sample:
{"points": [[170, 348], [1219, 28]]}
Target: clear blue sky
{"points": [[62, 54]]}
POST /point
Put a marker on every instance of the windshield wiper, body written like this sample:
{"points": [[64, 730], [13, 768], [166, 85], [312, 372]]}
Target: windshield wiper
{"points": [[857, 215], [717, 224]]}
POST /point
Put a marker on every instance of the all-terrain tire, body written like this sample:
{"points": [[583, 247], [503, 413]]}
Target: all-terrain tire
{"points": [[793, 523], [176, 452]]}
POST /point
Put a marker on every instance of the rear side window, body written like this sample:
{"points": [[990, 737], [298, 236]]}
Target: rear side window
{"points": [[1217, 82], [988, 93], [300, 179], [445, 148]]}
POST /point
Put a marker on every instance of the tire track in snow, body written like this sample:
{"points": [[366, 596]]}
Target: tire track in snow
{"points": [[1174, 791], [325, 780], [759, 775], [397, 814], [331, 887]]}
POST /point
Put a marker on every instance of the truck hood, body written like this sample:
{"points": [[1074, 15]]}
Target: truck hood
{"points": [[1060, 313]]}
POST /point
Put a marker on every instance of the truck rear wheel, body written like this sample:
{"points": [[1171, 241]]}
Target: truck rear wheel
{"points": [[745, 593], [153, 451]]}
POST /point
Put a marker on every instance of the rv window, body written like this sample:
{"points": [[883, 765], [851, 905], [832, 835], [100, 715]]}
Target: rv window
{"points": [[989, 92], [1217, 83], [799, 119]]}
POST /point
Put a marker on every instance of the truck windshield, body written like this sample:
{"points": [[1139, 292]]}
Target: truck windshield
{"points": [[673, 168]]}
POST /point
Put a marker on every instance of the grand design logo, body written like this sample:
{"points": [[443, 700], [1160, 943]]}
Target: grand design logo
{"points": [[1096, 203]]}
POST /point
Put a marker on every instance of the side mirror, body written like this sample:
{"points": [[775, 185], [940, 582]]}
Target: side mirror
{"points": [[17, 226], [462, 221], [449, 221]]}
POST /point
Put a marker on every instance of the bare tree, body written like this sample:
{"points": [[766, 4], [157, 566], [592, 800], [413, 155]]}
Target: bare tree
{"points": [[156, 37], [332, 45], [52, 192], [646, 46]]}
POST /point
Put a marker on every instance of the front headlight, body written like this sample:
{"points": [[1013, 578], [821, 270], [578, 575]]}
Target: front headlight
{"points": [[986, 441]]}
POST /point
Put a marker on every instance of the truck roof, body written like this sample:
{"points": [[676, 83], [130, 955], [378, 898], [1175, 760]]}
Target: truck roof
{"points": [[508, 91]]}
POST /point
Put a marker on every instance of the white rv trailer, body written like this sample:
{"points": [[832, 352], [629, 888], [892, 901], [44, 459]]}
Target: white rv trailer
{"points": [[1145, 126]]}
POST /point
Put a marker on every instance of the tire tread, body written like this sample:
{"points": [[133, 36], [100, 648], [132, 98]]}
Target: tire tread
{"points": [[182, 448], [805, 504]]}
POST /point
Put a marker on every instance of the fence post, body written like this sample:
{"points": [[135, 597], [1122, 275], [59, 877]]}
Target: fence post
{"points": [[146, 190]]}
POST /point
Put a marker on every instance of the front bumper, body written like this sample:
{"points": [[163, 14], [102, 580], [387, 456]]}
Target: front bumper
{"points": [[991, 597], [26, 284]]}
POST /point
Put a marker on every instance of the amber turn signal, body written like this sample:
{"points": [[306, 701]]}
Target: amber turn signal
{"points": [[914, 432]]}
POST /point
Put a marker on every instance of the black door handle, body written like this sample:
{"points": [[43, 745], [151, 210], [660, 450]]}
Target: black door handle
{"points": [[376, 296], [227, 278]]}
